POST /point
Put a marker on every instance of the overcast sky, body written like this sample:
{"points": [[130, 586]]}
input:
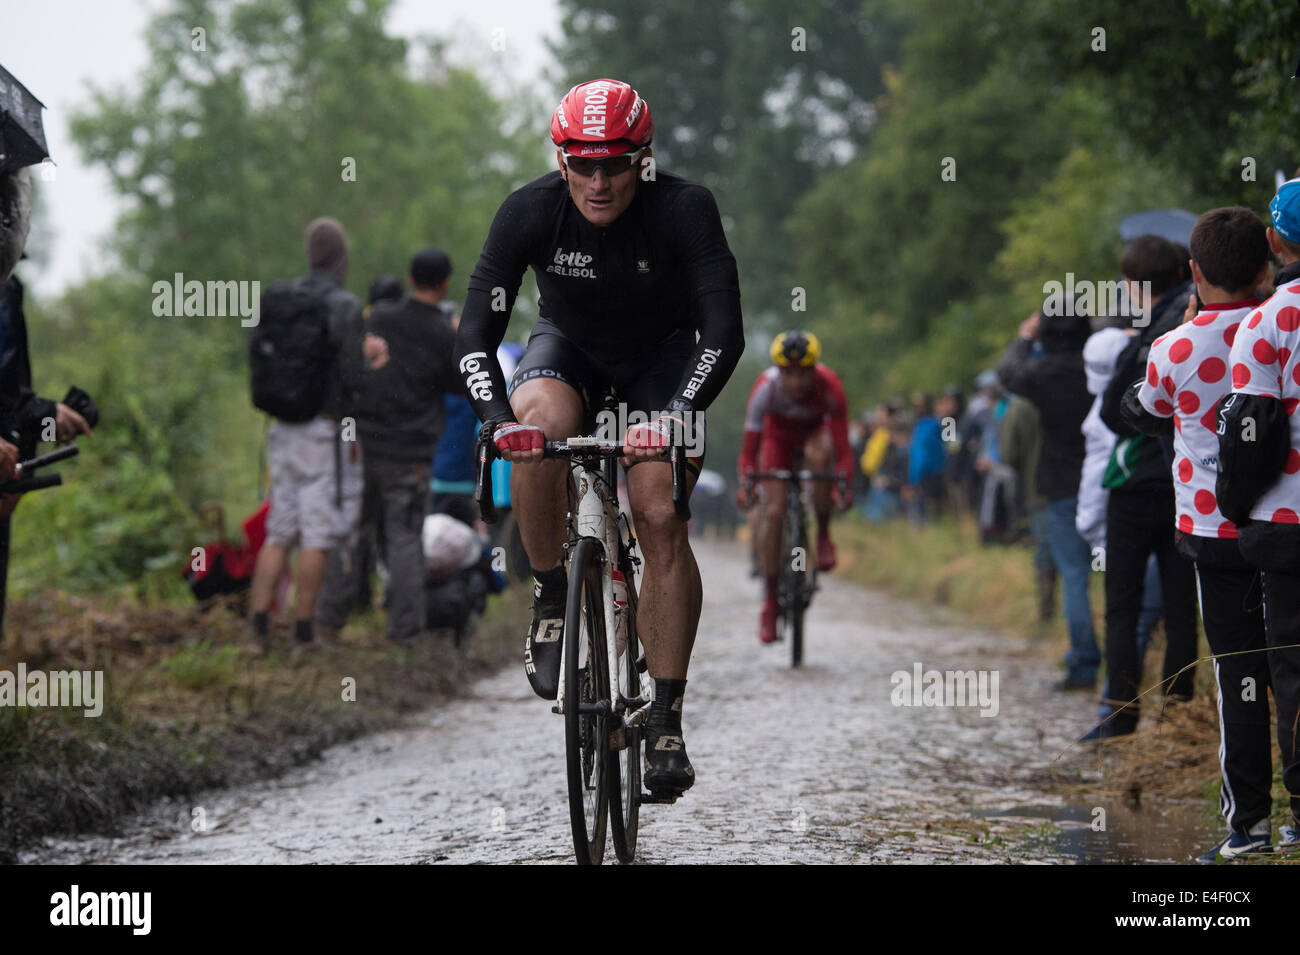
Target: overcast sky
{"points": [[54, 47]]}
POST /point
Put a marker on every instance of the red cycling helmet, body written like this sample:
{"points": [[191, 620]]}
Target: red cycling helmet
{"points": [[602, 118]]}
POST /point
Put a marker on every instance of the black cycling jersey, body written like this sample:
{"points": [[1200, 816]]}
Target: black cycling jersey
{"points": [[615, 292]]}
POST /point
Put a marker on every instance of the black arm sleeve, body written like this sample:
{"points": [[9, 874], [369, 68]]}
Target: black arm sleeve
{"points": [[1129, 367], [1254, 441], [493, 287], [1138, 417], [715, 287], [1016, 370]]}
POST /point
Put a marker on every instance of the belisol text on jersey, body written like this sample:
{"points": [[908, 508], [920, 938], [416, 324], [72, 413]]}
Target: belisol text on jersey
{"points": [[702, 369]]}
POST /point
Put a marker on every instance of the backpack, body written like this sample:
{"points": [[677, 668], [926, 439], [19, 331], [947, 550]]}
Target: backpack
{"points": [[290, 352]]}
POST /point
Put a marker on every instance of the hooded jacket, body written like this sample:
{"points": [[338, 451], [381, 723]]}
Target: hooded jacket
{"points": [[1056, 385], [1099, 356]]}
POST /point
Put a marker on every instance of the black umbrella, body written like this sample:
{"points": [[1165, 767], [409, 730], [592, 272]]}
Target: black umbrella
{"points": [[22, 137], [22, 143], [1172, 224]]}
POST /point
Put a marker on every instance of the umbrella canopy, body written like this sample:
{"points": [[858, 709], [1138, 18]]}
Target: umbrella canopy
{"points": [[1172, 224], [22, 136]]}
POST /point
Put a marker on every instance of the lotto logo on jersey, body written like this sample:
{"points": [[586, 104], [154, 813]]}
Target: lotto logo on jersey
{"points": [[478, 381], [571, 264]]}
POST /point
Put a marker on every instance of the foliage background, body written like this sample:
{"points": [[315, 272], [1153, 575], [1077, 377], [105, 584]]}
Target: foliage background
{"points": [[825, 161]]}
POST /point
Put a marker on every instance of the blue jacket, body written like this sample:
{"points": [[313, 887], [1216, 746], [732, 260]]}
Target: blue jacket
{"points": [[927, 455]]}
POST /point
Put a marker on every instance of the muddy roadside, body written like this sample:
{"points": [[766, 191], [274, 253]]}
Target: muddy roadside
{"points": [[1167, 770], [187, 705]]}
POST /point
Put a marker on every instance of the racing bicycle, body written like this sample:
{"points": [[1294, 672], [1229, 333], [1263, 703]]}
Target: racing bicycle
{"points": [[797, 579], [602, 694]]}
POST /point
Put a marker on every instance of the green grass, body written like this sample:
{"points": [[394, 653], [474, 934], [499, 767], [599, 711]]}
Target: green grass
{"points": [[203, 666], [944, 563]]}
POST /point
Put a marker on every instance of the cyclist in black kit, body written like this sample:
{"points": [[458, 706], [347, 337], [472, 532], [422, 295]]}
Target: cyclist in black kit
{"points": [[631, 263]]}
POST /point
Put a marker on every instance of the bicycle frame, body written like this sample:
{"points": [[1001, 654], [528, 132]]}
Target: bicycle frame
{"points": [[596, 516]]}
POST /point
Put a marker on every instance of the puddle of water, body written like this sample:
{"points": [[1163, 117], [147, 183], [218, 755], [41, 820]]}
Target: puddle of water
{"points": [[1169, 833]]}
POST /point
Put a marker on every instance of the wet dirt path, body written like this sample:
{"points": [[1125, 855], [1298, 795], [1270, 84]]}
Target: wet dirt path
{"points": [[805, 766]]}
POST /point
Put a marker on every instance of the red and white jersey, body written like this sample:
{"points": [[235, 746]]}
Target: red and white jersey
{"points": [[777, 417], [1264, 361], [825, 400], [1187, 374]]}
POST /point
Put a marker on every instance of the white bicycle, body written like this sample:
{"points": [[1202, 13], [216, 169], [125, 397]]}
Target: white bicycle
{"points": [[602, 716]]}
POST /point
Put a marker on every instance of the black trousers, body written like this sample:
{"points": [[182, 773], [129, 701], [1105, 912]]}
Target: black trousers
{"points": [[1282, 627], [1232, 611], [1139, 524]]}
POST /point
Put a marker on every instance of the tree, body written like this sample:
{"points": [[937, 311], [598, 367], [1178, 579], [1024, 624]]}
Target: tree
{"points": [[282, 110], [751, 98]]}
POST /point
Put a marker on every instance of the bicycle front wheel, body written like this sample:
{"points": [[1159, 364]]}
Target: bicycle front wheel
{"points": [[796, 601], [586, 703], [625, 763]]}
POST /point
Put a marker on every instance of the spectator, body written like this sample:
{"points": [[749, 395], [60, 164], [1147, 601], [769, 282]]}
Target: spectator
{"points": [[1257, 485], [926, 462], [1099, 356], [998, 493], [873, 453], [1187, 375], [1021, 441], [971, 431], [384, 288], [1140, 510], [1055, 383], [889, 486], [315, 479], [400, 415], [24, 417], [453, 459]]}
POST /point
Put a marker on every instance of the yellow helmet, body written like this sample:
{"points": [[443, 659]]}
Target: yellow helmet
{"points": [[795, 348]]}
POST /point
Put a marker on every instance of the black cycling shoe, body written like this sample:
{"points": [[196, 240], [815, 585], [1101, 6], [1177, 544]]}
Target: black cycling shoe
{"points": [[668, 771], [542, 645]]}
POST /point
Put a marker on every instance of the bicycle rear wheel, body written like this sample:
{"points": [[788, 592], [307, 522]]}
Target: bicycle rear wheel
{"points": [[586, 690], [625, 763]]}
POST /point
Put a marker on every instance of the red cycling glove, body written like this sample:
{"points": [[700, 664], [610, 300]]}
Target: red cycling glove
{"points": [[651, 434], [515, 437]]}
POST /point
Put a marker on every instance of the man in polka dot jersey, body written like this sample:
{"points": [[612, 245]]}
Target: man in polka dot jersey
{"points": [[1259, 472], [1187, 375]]}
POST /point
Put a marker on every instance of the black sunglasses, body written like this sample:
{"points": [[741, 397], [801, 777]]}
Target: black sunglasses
{"points": [[611, 166]]}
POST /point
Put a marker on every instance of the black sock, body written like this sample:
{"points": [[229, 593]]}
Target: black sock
{"points": [[302, 630], [666, 709], [261, 624], [552, 582]]}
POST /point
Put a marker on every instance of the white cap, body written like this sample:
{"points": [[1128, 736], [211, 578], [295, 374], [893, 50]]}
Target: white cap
{"points": [[1099, 354]]}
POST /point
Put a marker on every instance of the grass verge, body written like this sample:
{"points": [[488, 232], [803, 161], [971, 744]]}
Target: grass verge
{"points": [[188, 705]]}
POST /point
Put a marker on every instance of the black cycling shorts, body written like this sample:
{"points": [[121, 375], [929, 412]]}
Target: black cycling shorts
{"points": [[645, 385]]}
